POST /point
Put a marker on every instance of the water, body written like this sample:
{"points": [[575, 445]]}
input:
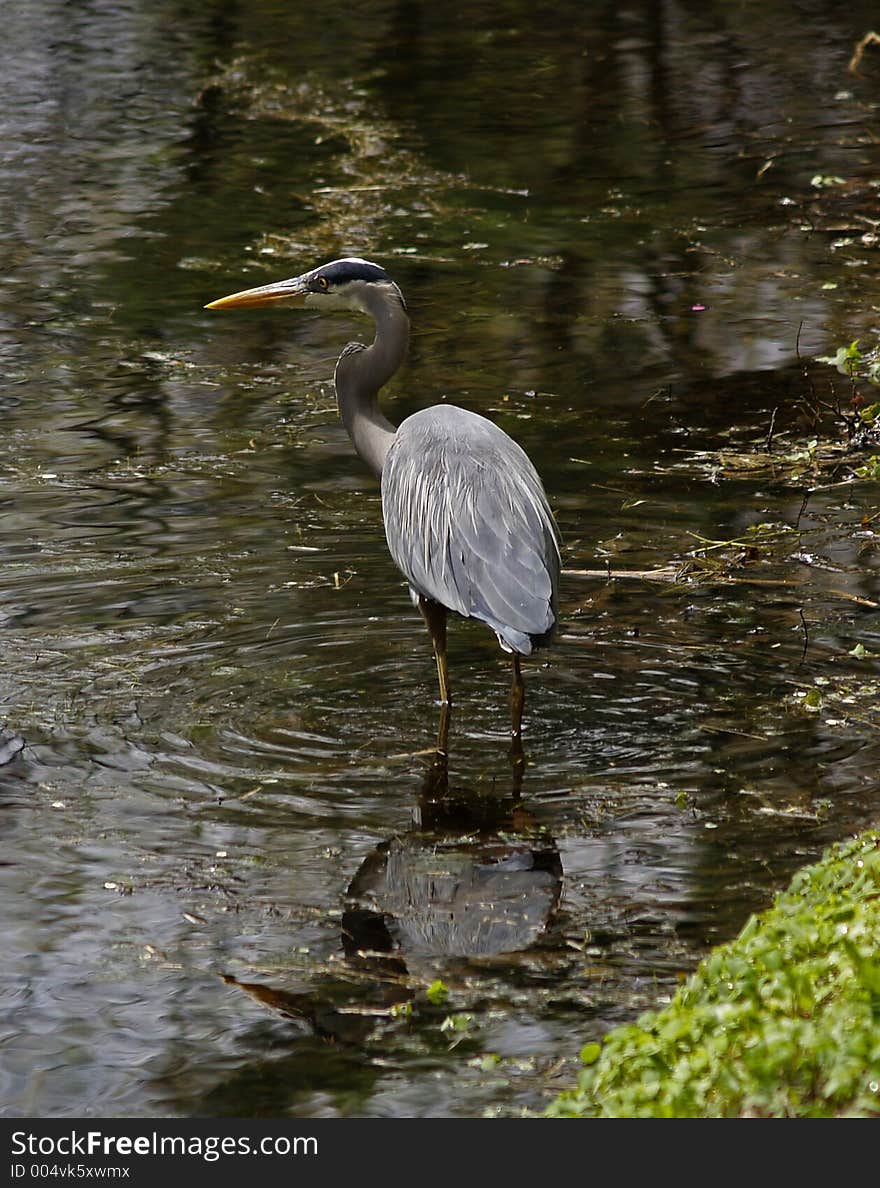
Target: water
{"points": [[231, 872]]}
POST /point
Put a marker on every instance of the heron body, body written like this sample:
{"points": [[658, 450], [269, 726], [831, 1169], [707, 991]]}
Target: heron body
{"points": [[466, 517], [467, 524]]}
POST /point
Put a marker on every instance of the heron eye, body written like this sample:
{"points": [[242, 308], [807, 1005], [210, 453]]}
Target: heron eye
{"points": [[323, 283]]}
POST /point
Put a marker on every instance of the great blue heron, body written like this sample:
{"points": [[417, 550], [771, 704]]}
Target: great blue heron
{"points": [[466, 517]]}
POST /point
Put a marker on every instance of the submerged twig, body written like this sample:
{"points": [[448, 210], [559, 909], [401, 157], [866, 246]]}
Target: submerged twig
{"points": [[802, 509], [768, 444], [806, 636]]}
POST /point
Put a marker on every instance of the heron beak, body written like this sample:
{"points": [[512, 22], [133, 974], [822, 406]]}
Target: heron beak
{"points": [[292, 291]]}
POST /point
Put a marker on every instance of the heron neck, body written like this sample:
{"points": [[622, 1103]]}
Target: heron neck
{"points": [[361, 373]]}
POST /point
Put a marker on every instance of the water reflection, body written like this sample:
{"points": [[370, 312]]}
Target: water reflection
{"points": [[477, 877]]}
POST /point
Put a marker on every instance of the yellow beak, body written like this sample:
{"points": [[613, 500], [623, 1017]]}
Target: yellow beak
{"points": [[292, 291]]}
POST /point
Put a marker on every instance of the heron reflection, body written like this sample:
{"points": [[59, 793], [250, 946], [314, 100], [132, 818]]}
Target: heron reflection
{"points": [[477, 876]]}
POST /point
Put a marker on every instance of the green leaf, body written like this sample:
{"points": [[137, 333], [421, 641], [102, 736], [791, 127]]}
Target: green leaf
{"points": [[860, 652], [871, 469], [437, 993], [590, 1053], [456, 1022], [845, 359]]}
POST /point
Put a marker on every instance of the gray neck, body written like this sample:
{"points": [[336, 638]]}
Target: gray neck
{"points": [[362, 372]]}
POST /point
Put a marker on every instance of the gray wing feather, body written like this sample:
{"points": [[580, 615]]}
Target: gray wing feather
{"points": [[468, 523]]}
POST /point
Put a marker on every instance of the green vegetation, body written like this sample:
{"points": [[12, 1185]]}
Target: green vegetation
{"points": [[859, 367], [437, 993], [871, 469], [784, 1021], [851, 361]]}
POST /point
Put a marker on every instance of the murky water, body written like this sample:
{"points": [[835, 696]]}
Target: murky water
{"points": [[231, 870]]}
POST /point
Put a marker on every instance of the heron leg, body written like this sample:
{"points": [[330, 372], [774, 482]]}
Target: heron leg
{"points": [[517, 700], [435, 619], [443, 730]]}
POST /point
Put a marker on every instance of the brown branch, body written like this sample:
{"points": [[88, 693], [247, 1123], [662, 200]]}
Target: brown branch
{"points": [[674, 576], [868, 39]]}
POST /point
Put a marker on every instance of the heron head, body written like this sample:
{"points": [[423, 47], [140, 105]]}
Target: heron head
{"points": [[350, 283]]}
